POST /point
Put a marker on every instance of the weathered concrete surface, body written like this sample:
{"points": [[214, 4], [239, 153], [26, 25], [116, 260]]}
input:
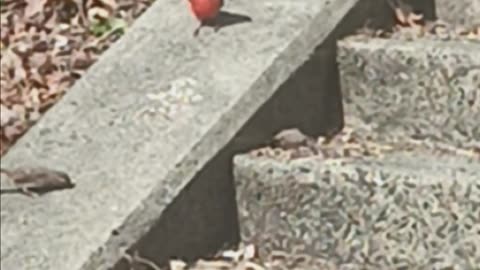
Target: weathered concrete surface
{"points": [[462, 12], [129, 160], [405, 209], [423, 89]]}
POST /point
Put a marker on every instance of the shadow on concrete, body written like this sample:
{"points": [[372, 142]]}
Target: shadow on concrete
{"points": [[200, 221], [226, 18], [223, 19]]}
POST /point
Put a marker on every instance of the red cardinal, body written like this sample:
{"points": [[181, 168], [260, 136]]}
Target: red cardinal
{"points": [[206, 11]]}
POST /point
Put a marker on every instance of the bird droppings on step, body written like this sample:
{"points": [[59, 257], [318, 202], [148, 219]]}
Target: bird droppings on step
{"points": [[172, 100]]}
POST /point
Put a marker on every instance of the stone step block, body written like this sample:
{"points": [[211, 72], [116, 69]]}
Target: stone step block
{"points": [[420, 89], [401, 208]]}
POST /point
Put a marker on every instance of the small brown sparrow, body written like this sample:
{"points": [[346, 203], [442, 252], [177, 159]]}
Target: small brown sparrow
{"points": [[33, 181], [293, 139]]}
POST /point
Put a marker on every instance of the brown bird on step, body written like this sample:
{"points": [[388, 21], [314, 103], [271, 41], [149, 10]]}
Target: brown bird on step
{"points": [[33, 181], [293, 139]]}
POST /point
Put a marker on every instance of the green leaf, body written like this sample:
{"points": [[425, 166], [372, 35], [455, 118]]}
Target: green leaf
{"points": [[99, 28], [108, 27], [118, 25]]}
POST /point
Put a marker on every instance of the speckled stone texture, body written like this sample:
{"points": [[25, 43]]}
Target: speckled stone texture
{"points": [[423, 89], [464, 12], [403, 210]]}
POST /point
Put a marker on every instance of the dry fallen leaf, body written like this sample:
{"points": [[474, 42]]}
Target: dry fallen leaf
{"points": [[177, 265], [247, 265], [110, 5], [212, 265], [44, 48], [7, 115], [413, 19], [233, 255], [98, 13], [400, 16], [249, 252], [34, 7]]}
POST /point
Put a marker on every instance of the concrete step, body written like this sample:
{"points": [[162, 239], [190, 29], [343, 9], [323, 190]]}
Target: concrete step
{"points": [[369, 206], [420, 89]]}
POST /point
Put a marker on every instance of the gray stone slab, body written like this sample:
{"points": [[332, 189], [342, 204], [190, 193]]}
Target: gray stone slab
{"points": [[423, 89], [131, 148], [461, 12], [404, 210]]}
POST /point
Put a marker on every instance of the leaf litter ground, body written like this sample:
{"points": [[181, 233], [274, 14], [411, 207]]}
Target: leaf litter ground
{"points": [[46, 45]]}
